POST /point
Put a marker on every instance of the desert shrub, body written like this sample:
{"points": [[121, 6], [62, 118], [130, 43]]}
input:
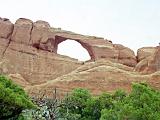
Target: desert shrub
{"points": [[13, 99], [92, 110], [143, 103], [73, 104], [48, 109]]}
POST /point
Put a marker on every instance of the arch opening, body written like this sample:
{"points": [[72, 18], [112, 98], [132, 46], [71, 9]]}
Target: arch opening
{"points": [[73, 49]]}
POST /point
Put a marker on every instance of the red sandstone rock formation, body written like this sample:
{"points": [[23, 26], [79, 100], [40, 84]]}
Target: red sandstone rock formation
{"points": [[145, 52], [6, 28], [149, 60], [29, 49]]}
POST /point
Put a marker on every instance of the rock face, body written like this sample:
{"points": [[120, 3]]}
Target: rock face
{"points": [[149, 60], [28, 54], [145, 52], [98, 77], [22, 31], [6, 28]]}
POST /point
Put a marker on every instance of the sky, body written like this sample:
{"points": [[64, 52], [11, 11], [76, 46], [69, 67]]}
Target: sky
{"points": [[133, 23]]}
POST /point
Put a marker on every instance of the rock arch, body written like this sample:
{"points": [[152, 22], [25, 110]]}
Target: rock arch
{"points": [[40, 35], [73, 49], [59, 39], [31, 47]]}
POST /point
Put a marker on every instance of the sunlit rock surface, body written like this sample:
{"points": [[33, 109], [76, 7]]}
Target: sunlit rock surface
{"points": [[28, 54]]}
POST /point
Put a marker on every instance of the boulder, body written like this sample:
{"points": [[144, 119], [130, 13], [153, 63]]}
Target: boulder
{"points": [[154, 63], [126, 55], [145, 52], [6, 28], [40, 32], [151, 63], [22, 31]]}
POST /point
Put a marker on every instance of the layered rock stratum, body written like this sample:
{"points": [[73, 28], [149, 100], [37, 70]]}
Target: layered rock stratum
{"points": [[28, 54]]}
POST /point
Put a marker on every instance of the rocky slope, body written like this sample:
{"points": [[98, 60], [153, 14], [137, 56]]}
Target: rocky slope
{"points": [[28, 54], [99, 76]]}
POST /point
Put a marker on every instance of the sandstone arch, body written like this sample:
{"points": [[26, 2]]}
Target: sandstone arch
{"points": [[31, 47], [59, 39], [73, 49]]}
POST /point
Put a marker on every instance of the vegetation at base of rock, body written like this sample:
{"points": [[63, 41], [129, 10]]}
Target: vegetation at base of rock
{"points": [[13, 99], [88, 107], [142, 103]]}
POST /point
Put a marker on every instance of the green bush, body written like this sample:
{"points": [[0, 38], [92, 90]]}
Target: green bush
{"points": [[73, 105], [143, 103], [13, 99], [80, 103]]}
